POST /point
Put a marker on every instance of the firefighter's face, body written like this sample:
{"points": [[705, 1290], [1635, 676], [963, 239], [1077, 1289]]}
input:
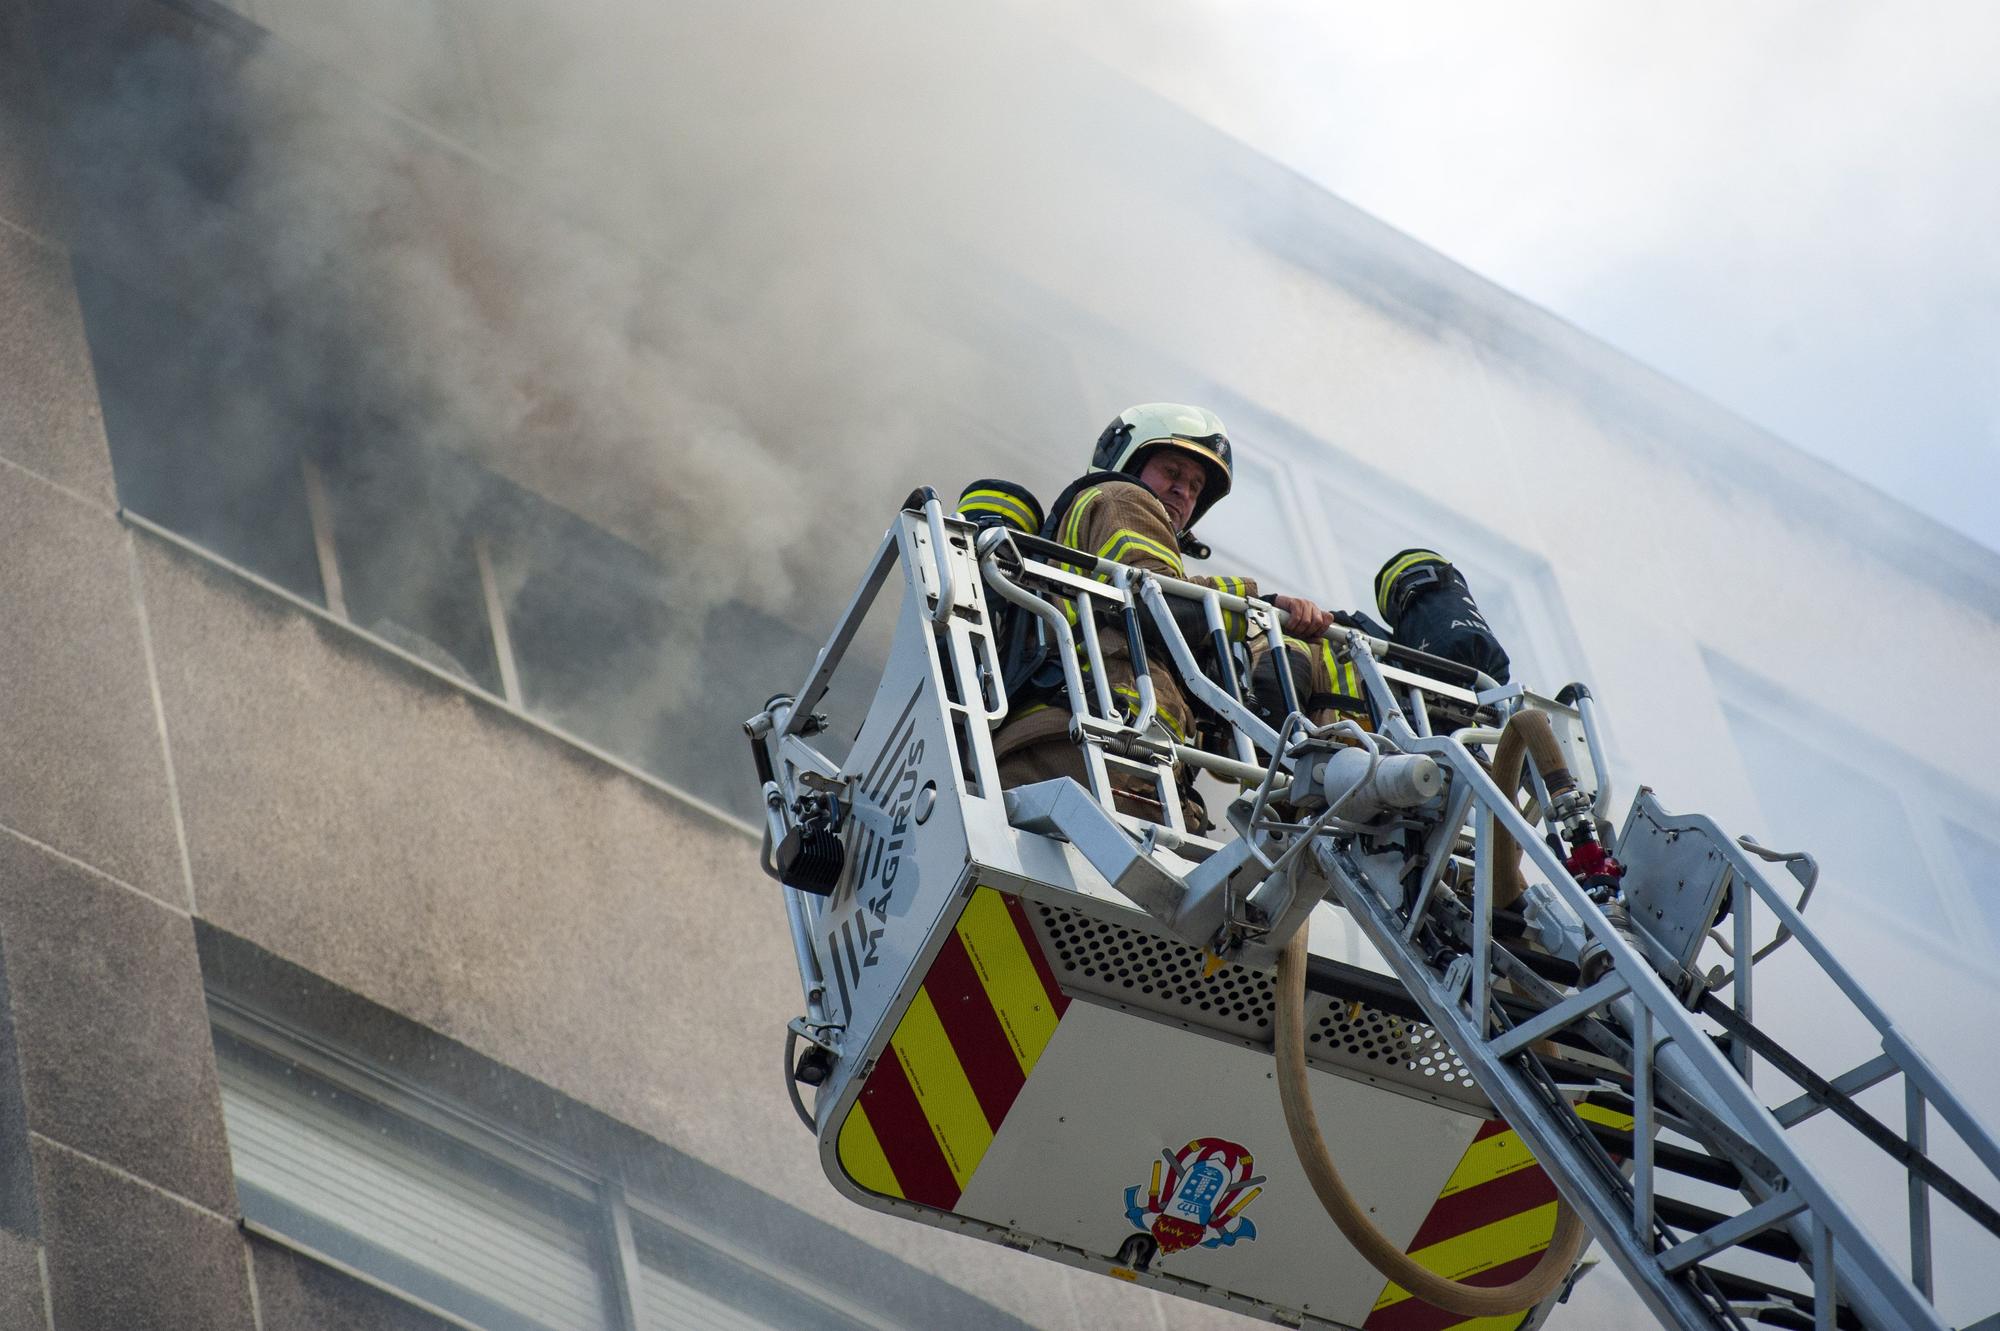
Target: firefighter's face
{"points": [[1176, 480]]}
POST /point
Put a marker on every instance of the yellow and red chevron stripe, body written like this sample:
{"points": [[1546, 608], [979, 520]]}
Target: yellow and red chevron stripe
{"points": [[960, 1055], [1489, 1225]]}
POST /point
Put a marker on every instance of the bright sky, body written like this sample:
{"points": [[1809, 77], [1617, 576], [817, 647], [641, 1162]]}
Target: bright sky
{"points": [[1793, 206]]}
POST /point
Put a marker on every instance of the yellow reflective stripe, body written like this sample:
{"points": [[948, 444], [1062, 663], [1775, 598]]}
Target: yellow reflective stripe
{"points": [[998, 501], [1007, 515], [1008, 973], [1125, 540], [1341, 676], [1501, 1154], [1609, 1117], [1505, 1152], [1387, 577], [942, 1088], [1073, 523], [1481, 1249], [862, 1156], [1130, 693], [1234, 625]]}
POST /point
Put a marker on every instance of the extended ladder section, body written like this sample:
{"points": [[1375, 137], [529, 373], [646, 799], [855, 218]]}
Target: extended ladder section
{"points": [[1560, 961]]}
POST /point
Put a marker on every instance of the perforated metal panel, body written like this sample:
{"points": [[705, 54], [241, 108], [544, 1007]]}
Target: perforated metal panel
{"points": [[1156, 974], [1367, 1039]]}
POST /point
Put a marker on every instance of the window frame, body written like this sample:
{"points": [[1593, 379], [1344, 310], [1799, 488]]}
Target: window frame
{"points": [[1271, 580], [1529, 579], [612, 1205], [1928, 798], [1309, 469]]}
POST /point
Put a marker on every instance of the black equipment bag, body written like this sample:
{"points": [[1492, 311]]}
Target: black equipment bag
{"points": [[1432, 610], [1028, 669]]}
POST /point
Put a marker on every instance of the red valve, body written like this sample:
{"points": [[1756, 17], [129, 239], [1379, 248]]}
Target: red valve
{"points": [[1591, 861]]}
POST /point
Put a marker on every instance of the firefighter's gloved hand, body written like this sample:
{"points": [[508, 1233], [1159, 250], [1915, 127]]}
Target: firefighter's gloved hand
{"points": [[1354, 619], [1303, 619]]}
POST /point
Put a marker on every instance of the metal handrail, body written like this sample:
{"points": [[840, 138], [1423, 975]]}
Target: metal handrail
{"points": [[947, 581]]}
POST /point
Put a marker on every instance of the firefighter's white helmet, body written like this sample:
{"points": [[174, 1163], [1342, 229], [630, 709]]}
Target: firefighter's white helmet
{"points": [[1195, 431]]}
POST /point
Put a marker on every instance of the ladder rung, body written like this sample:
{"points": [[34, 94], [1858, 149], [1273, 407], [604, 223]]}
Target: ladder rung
{"points": [[1850, 1083], [1747, 1230], [1743, 1289], [1884, 1138], [1674, 1159], [1571, 1009]]}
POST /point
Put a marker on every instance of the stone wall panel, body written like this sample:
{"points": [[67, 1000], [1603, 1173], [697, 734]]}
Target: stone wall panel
{"points": [[115, 1053], [82, 769]]}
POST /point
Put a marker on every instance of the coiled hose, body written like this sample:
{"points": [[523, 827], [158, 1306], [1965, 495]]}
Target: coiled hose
{"points": [[1352, 1218], [1527, 734]]}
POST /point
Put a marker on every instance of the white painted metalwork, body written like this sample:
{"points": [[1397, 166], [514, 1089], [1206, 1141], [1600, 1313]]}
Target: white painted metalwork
{"points": [[1607, 968]]}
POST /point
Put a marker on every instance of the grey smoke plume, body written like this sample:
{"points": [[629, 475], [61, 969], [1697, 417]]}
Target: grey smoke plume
{"points": [[691, 284], [719, 385], [712, 280]]}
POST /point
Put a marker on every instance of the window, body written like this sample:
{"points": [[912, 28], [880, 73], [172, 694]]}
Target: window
{"points": [[1313, 520], [1515, 589], [385, 1196], [681, 1276], [400, 524], [192, 448], [466, 1219], [1252, 532], [1853, 822], [1896, 840], [1978, 860]]}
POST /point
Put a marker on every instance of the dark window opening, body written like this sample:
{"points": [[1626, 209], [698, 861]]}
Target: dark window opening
{"points": [[404, 522], [195, 446]]}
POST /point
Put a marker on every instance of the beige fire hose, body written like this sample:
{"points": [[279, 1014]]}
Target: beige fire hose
{"points": [[1349, 1214], [1528, 733]]}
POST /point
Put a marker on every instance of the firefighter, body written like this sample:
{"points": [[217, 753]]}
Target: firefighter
{"points": [[1156, 470]]}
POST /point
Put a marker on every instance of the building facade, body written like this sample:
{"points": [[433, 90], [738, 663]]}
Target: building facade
{"points": [[382, 942]]}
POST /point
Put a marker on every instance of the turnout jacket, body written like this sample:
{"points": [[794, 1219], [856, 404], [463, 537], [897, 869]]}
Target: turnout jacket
{"points": [[1114, 517]]}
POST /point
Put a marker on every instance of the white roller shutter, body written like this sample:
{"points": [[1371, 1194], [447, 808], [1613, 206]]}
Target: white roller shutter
{"points": [[667, 1304], [686, 1284], [476, 1243]]}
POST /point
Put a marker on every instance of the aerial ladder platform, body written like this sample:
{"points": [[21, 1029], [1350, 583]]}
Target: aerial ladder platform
{"points": [[1415, 981]]}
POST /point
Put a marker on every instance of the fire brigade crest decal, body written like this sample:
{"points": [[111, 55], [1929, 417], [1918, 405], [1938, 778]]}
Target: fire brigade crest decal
{"points": [[1196, 1197]]}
